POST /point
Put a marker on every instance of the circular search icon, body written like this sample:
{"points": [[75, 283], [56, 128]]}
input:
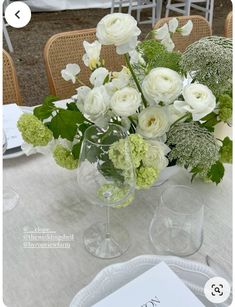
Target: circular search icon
{"points": [[217, 290]]}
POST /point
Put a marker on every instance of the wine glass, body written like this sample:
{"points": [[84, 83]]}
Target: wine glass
{"points": [[10, 197], [106, 177]]}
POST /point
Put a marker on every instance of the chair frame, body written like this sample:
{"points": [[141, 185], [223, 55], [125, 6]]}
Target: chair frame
{"points": [[18, 99], [228, 27]]}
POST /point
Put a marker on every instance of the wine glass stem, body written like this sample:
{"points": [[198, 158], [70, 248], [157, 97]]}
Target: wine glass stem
{"points": [[107, 235]]}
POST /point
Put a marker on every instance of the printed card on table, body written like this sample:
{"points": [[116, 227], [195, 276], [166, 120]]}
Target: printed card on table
{"points": [[158, 287]]}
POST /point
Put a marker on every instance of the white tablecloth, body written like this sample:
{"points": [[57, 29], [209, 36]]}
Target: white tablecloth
{"points": [[50, 277], [55, 5]]}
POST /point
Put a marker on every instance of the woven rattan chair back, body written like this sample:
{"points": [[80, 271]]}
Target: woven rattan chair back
{"points": [[67, 47], [228, 29], [201, 28], [11, 91]]}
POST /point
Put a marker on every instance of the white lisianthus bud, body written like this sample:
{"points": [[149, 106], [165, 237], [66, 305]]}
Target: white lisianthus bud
{"points": [[96, 102], [98, 76], [162, 85], [173, 25], [153, 122], [199, 100], [125, 102], [161, 33], [92, 56], [168, 43], [70, 72], [186, 29], [120, 30]]}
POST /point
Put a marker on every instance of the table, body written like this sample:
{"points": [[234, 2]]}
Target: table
{"points": [[49, 202]]}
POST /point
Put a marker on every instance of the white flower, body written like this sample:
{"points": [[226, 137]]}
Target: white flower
{"points": [[186, 29], [173, 25], [162, 85], [96, 102], [70, 72], [121, 79], [125, 102], [29, 149], [92, 56], [136, 57], [199, 100], [155, 156], [168, 43], [82, 92], [120, 30], [162, 33], [98, 76], [153, 122], [173, 113]]}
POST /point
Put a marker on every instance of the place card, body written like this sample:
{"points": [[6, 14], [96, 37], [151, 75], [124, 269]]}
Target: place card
{"points": [[157, 287], [11, 114]]}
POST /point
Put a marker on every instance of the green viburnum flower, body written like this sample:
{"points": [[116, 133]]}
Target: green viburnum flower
{"points": [[33, 131], [118, 151], [64, 157], [116, 194], [193, 147], [146, 176], [226, 151], [209, 61], [225, 108]]}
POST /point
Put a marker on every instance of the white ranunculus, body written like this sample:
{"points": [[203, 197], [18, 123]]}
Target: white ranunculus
{"points": [[125, 102], [121, 79], [156, 155], [168, 44], [153, 122], [92, 56], [98, 76], [186, 29], [199, 100], [162, 85], [120, 30], [161, 33], [96, 102], [70, 72], [173, 113], [173, 24]]}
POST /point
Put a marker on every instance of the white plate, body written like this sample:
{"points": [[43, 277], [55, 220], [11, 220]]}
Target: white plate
{"points": [[111, 278]]}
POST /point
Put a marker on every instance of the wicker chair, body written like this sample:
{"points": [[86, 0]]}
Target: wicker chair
{"points": [[67, 47], [201, 28], [11, 91], [228, 29]]}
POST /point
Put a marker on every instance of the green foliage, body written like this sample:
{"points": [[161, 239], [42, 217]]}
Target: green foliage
{"points": [[109, 171], [225, 108], [156, 55], [216, 172], [210, 121], [226, 151], [45, 110], [65, 124]]}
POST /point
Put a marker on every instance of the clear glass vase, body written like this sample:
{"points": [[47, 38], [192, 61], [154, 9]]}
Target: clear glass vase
{"points": [[106, 177]]}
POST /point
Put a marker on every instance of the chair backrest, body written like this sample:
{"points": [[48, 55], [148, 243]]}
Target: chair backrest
{"points": [[67, 47], [228, 29], [11, 91], [201, 28]]}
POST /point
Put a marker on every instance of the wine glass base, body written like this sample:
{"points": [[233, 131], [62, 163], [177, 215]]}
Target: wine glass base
{"points": [[104, 246], [10, 199]]}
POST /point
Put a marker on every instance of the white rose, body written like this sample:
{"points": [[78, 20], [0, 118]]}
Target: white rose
{"points": [[120, 30], [153, 122], [92, 56], [199, 100], [162, 85], [96, 103], [173, 25], [125, 102], [70, 72], [161, 33], [98, 76], [186, 29], [155, 156]]}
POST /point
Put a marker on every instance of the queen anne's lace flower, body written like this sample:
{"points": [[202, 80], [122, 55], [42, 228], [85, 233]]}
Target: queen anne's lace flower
{"points": [[64, 157], [192, 146], [33, 131]]}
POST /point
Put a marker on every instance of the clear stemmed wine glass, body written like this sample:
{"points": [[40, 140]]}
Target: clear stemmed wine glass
{"points": [[106, 181], [10, 197]]}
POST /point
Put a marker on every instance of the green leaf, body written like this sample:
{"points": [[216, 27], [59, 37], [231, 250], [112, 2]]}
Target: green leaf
{"points": [[65, 124], [76, 149], [211, 120], [226, 151], [216, 172], [72, 106], [108, 170], [195, 171], [45, 110]]}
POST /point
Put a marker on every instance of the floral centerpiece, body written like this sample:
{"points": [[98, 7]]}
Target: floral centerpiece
{"points": [[169, 102]]}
